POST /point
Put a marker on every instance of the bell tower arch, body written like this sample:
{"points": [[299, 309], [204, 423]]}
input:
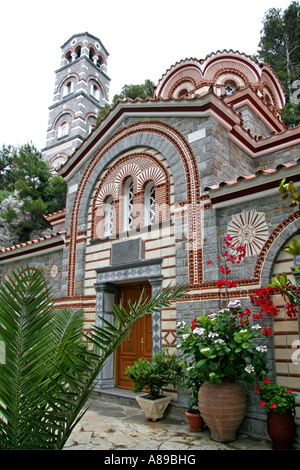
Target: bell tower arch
{"points": [[81, 90]]}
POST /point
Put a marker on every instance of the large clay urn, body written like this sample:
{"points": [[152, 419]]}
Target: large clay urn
{"points": [[223, 408]]}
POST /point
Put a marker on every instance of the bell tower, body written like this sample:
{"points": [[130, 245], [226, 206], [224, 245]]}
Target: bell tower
{"points": [[81, 90]]}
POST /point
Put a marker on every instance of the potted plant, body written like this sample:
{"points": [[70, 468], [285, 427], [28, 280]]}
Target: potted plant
{"points": [[152, 377], [223, 347], [191, 380], [279, 403]]}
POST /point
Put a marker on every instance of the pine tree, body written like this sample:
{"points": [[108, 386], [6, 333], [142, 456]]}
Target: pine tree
{"points": [[279, 46], [24, 172]]}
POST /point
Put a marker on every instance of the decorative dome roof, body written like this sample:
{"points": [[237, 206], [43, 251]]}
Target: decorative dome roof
{"points": [[225, 72]]}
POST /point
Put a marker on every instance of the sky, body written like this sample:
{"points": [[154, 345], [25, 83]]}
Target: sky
{"points": [[144, 39]]}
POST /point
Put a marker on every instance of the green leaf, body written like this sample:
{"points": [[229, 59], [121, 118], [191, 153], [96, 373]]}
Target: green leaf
{"points": [[49, 373], [201, 363], [213, 365], [294, 248]]}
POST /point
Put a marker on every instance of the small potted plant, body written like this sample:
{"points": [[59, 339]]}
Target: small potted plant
{"points": [[190, 379], [151, 377], [280, 404]]}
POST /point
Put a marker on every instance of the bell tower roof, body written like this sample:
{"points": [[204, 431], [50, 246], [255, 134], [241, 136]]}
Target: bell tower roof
{"points": [[75, 37]]}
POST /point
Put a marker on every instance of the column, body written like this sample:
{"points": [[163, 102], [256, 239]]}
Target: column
{"points": [[156, 283], [105, 297]]}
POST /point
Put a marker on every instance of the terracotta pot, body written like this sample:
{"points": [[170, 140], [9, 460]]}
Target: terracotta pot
{"points": [[195, 420], [223, 408], [281, 429]]}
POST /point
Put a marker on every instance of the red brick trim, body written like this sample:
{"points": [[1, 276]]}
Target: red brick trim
{"points": [[276, 232], [133, 165], [193, 190]]}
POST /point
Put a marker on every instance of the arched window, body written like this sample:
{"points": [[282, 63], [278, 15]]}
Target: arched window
{"points": [[91, 123], [150, 203], [229, 87], [68, 88], [91, 53], [182, 93], [78, 51], [69, 56], [109, 216], [95, 91], [128, 204], [100, 61], [63, 129]]}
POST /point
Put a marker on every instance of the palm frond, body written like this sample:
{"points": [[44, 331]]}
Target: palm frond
{"points": [[50, 370]]}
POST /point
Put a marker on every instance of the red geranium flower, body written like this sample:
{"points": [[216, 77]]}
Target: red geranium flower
{"points": [[267, 331]]}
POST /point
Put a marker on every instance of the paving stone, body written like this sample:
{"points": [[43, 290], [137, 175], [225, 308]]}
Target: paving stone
{"points": [[148, 445], [174, 446], [109, 427]]}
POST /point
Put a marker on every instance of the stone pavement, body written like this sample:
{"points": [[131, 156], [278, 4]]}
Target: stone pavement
{"points": [[118, 427]]}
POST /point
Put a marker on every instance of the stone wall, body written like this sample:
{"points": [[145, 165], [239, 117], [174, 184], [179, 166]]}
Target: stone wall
{"points": [[50, 262]]}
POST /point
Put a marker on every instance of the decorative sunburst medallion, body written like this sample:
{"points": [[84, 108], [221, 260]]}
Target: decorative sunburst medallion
{"points": [[249, 228], [54, 271]]}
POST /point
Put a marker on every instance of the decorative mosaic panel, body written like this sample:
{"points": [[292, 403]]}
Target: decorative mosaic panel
{"points": [[249, 228]]}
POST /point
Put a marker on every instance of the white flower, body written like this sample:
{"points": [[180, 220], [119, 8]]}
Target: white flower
{"points": [[262, 349], [234, 303], [243, 331], [185, 336], [256, 327], [220, 341], [199, 331], [249, 369], [213, 335], [178, 346], [204, 350], [212, 316], [181, 324]]}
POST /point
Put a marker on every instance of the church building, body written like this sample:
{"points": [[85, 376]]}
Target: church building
{"points": [[153, 188]]}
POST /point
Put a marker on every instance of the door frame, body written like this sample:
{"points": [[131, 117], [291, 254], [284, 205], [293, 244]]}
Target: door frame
{"points": [[107, 281], [119, 354]]}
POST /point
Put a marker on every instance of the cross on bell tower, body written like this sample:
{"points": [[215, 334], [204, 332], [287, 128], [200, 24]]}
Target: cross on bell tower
{"points": [[81, 90]]}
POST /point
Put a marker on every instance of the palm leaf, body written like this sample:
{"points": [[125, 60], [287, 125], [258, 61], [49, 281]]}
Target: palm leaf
{"points": [[50, 370]]}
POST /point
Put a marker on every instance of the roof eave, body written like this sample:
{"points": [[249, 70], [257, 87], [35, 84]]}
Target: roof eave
{"points": [[262, 184]]}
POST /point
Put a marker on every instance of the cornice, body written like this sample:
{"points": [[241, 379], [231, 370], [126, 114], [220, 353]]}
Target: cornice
{"points": [[31, 248], [261, 184], [209, 105]]}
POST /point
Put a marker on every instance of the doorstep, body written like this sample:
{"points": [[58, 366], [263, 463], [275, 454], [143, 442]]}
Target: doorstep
{"points": [[119, 396]]}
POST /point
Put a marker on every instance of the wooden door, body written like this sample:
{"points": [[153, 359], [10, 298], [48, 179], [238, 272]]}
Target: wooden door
{"points": [[138, 343]]}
